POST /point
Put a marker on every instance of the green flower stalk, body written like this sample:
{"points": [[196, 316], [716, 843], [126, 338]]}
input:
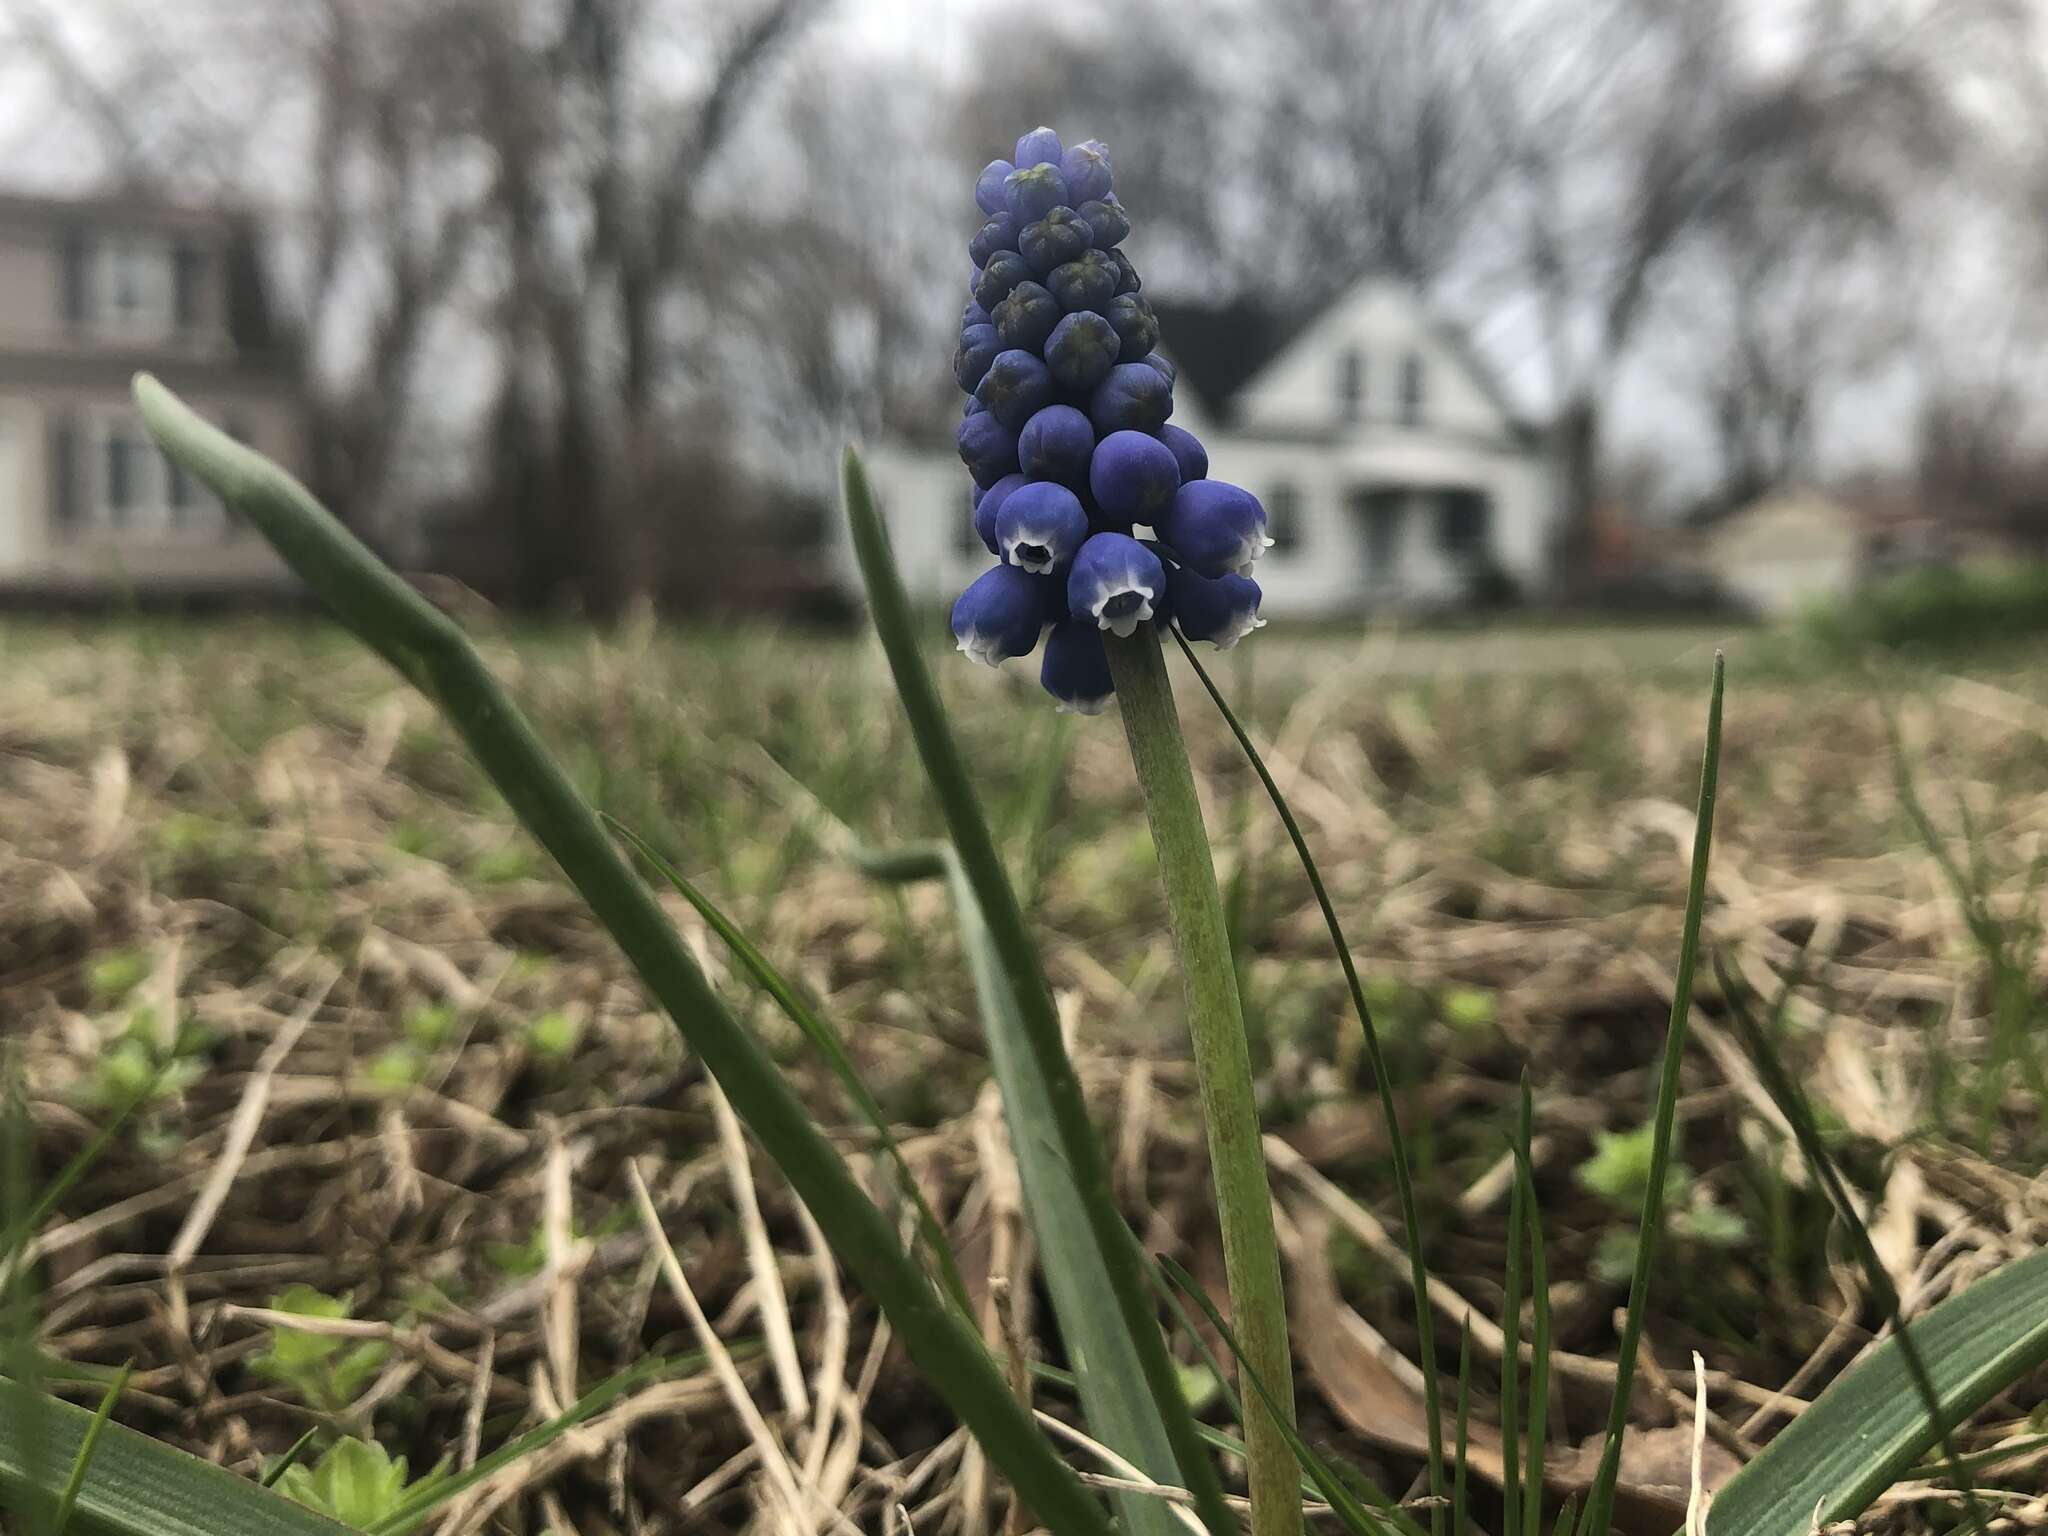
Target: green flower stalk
{"points": [[1244, 1202]]}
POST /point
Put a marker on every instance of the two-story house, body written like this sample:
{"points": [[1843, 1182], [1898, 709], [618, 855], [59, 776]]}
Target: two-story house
{"points": [[1393, 471], [90, 292]]}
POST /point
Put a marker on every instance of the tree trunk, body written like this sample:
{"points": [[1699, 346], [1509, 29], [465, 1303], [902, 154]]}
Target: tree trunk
{"points": [[1578, 453]]}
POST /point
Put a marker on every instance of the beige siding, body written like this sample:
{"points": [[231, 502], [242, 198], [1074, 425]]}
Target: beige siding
{"points": [[211, 552], [32, 317], [31, 299]]}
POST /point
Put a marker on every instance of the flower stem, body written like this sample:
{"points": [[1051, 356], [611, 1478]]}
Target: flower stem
{"points": [[1251, 1254]]}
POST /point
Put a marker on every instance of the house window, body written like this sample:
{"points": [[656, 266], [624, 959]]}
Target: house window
{"points": [[1283, 519], [120, 490], [1464, 526], [189, 270], [1412, 393], [122, 482], [133, 288], [1351, 383], [66, 508]]}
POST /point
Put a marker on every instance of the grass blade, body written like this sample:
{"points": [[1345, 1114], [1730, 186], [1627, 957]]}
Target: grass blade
{"points": [[1404, 1183], [139, 1486], [1870, 1426], [1792, 1104], [1600, 1497], [1220, 1439], [1539, 1324], [1120, 1409], [983, 865], [21, 1228], [1511, 1354], [86, 1446], [290, 1458], [825, 1038], [427, 648], [1464, 1427]]}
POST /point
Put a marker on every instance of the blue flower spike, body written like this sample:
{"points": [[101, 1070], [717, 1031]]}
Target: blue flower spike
{"points": [[987, 448], [1134, 476], [1080, 351], [1057, 444], [1117, 582], [1016, 387], [1219, 609], [1041, 146], [988, 501], [989, 194], [1215, 527], [1000, 615], [1076, 668], [1065, 432], [1086, 167], [1040, 527]]}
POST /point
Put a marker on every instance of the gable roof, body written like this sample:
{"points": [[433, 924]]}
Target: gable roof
{"points": [[1220, 348], [133, 208]]}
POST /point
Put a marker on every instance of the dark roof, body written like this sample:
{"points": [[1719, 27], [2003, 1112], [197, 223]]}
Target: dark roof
{"points": [[1219, 348], [128, 208]]}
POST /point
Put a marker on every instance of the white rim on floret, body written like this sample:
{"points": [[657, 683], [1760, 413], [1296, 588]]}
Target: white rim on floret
{"points": [[1082, 706], [1126, 625], [1239, 626], [984, 648], [1044, 538], [1254, 545]]}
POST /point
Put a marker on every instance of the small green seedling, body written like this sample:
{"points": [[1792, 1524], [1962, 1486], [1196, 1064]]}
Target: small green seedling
{"points": [[113, 977], [1619, 1172], [554, 1034], [136, 1067], [430, 1025], [356, 1482], [1468, 1008], [327, 1372], [504, 864], [398, 1067]]}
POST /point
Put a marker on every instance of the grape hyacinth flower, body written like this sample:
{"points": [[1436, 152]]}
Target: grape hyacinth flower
{"points": [[1067, 438], [1107, 527]]}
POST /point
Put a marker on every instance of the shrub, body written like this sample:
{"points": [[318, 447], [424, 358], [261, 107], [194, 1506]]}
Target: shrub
{"points": [[1939, 607]]}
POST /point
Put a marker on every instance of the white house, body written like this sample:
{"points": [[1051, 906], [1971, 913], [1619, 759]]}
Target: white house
{"points": [[1393, 472], [90, 291]]}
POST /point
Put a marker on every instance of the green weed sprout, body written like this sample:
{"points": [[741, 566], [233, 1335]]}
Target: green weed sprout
{"points": [[356, 1482], [325, 1371]]}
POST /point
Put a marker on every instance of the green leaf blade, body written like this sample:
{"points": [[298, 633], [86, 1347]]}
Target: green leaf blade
{"points": [[1869, 1428], [136, 1486]]}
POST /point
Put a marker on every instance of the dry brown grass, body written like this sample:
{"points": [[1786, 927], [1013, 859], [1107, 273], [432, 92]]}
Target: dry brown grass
{"points": [[278, 845]]}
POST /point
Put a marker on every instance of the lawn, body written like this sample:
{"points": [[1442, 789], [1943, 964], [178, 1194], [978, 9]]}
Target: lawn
{"points": [[397, 1064]]}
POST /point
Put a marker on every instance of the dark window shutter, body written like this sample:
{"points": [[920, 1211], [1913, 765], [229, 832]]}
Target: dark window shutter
{"points": [[188, 277], [65, 508], [77, 277]]}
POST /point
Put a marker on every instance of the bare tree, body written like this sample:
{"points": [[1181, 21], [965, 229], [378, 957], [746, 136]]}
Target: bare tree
{"points": [[1633, 127], [602, 166]]}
